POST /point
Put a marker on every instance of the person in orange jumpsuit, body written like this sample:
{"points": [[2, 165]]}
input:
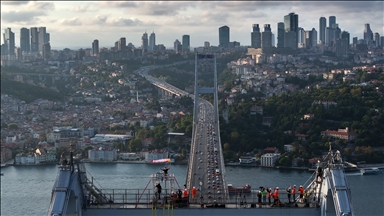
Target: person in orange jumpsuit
{"points": [[301, 190], [194, 191]]}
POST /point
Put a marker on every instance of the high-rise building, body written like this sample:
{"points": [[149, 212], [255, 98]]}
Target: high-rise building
{"points": [[152, 42], [382, 41], [177, 46], [9, 41], [280, 34], [185, 43], [377, 39], [266, 37], [301, 36], [144, 41], [43, 38], [345, 35], [310, 38], [291, 23], [95, 47], [34, 40], [331, 34], [223, 36], [25, 38], [368, 35], [206, 44], [322, 26], [332, 22], [354, 41], [341, 47], [122, 44], [255, 36], [46, 51]]}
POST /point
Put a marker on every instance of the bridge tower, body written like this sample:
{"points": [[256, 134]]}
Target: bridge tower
{"points": [[205, 90]]}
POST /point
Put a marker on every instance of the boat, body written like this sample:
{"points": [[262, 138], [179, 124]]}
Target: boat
{"points": [[370, 171], [239, 190]]}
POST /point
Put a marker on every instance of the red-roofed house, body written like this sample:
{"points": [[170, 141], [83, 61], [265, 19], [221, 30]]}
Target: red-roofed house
{"points": [[340, 134], [270, 150]]}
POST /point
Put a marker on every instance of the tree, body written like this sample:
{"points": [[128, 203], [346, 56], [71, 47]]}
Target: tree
{"points": [[135, 145], [13, 126]]}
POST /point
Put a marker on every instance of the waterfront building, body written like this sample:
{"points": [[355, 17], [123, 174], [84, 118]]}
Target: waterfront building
{"points": [[223, 36], [256, 36], [25, 40], [291, 24], [322, 26], [269, 159], [266, 36], [186, 43], [101, 154]]}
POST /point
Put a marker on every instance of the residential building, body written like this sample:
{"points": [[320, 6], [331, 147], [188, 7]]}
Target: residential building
{"points": [[288, 147], [223, 36], [177, 47], [256, 36], [256, 109], [122, 44], [186, 43], [269, 159], [46, 52], [43, 38]]}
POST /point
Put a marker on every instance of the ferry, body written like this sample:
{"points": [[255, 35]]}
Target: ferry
{"points": [[370, 171], [75, 193], [239, 190]]}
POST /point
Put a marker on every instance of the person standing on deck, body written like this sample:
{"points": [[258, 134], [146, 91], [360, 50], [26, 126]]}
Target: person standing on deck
{"points": [[301, 190], [194, 194], [294, 193], [289, 194], [259, 197], [158, 186], [264, 195], [185, 193], [269, 194]]}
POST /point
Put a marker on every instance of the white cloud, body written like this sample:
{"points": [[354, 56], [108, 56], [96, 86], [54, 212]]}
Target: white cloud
{"points": [[75, 21]]}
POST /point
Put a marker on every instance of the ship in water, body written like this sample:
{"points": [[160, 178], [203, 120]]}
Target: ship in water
{"points": [[76, 193], [370, 171]]}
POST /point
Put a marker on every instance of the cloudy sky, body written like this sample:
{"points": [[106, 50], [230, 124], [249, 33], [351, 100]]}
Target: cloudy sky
{"points": [[77, 24]]}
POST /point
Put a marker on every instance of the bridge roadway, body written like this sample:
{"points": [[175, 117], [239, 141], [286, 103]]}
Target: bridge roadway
{"points": [[206, 169]]}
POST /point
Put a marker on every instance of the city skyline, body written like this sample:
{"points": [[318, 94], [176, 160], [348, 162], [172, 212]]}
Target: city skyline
{"points": [[77, 24]]}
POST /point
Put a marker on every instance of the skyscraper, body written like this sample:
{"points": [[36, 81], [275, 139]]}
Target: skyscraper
{"points": [[25, 44], [322, 26], [377, 39], [152, 41], [46, 51], [34, 40], [122, 43], [185, 43], [177, 46], [310, 38], [280, 34], [9, 41], [368, 35], [332, 22], [266, 37], [291, 24], [95, 47], [144, 41], [42, 38], [345, 35], [223, 36], [256, 36]]}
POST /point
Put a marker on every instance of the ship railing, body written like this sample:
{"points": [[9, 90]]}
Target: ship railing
{"points": [[148, 198]]}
